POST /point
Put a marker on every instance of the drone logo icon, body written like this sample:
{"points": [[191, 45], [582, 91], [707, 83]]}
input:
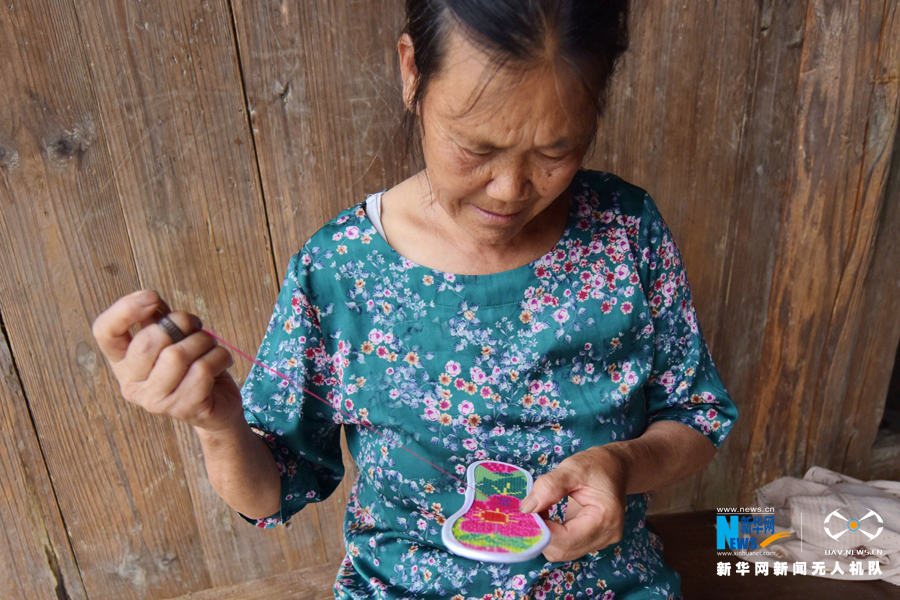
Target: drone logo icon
{"points": [[853, 525]]}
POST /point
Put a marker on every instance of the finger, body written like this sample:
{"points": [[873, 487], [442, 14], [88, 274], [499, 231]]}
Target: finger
{"points": [[110, 328], [548, 489], [585, 533], [162, 310], [174, 361], [191, 400], [572, 508], [144, 349]]}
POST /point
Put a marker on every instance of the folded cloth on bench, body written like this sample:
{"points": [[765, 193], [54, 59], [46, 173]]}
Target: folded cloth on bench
{"points": [[836, 520]]}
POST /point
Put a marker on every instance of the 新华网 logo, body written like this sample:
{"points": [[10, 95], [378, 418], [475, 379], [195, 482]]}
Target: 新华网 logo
{"points": [[736, 532]]}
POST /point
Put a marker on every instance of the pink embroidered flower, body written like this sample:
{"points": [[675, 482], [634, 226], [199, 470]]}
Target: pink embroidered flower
{"points": [[499, 514]]}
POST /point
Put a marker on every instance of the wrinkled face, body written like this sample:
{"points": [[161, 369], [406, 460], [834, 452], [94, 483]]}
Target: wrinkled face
{"points": [[498, 155]]}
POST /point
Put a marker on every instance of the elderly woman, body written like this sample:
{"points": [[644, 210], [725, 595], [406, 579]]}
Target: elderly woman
{"points": [[500, 304]]}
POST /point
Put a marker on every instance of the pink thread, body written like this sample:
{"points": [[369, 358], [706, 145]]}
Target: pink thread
{"points": [[350, 417]]}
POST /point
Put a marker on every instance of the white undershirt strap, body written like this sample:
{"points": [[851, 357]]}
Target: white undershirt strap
{"points": [[373, 211]]}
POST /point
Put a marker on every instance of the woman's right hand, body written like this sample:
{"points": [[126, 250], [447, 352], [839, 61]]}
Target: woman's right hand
{"points": [[187, 380]]}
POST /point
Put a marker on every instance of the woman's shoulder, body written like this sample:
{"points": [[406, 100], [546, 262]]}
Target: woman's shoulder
{"points": [[338, 242], [348, 233], [611, 191], [349, 224]]}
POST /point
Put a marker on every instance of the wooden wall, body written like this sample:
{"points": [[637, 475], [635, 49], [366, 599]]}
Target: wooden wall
{"points": [[191, 146]]}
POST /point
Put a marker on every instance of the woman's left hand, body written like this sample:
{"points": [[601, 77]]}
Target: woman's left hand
{"points": [[595, 481]]}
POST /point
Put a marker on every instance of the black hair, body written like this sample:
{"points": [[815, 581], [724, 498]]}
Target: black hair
{"points": [[588, 35]]}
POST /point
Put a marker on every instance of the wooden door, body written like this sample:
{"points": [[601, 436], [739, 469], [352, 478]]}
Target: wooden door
{"points": [[192, 146]]}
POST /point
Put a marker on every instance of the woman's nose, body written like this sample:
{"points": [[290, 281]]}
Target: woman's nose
{"points": [[510, 183]]}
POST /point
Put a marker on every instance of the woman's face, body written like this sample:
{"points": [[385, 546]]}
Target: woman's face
{"points": [[496, 163]]}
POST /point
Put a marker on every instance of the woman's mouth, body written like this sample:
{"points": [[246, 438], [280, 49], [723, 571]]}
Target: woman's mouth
{"points": [[499, 218]]}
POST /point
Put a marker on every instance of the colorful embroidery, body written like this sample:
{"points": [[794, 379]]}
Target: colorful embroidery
{"points": [[490, 527]]}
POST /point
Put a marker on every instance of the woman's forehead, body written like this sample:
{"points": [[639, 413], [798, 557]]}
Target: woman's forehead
{"points": [[472, 95]]}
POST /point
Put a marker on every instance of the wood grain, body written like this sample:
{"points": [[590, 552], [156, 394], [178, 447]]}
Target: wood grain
{"points": [[323, 86], [830, 207], [840, 414], [315, 583], [763, 185], [66, 254], [879, 328], [36, 560], [169, 89]]}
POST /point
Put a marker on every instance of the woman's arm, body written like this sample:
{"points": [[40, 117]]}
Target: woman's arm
{"points": [[242, 470], [188, 381], [667, 452], [598, 479]]}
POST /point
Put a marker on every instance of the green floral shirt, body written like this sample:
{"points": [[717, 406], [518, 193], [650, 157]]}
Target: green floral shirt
{"points": [[587, 345]]}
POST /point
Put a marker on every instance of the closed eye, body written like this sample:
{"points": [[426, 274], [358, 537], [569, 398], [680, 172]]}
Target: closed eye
{"points": [[477, 152], [552, 156]]}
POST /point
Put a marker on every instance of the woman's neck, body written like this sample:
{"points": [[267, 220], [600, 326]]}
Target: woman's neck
{"points": [[419, 229]]}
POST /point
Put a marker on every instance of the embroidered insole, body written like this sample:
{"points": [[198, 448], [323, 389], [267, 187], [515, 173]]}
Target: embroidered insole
{"points": [[489, 527]]}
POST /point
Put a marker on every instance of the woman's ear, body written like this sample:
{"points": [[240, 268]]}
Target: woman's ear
{"points": [[408, 71]]}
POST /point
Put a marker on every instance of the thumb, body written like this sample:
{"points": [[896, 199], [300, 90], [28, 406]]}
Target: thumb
{"points": [[548, 489]]}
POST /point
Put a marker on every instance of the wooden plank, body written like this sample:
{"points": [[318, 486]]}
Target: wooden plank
{"points": [[169, 88], [35, 556], [315, 583], [841, 413], [674, 126], [874, 349], [764, 174], [322, 85], [66, 255], [823, 210]]}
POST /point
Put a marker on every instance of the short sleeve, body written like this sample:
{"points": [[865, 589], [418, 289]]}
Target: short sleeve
{"points": [[684, 384], [300, 429]]}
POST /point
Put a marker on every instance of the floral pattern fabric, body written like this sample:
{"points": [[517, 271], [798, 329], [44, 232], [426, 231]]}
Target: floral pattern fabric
{"points": [[587, 345]]}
